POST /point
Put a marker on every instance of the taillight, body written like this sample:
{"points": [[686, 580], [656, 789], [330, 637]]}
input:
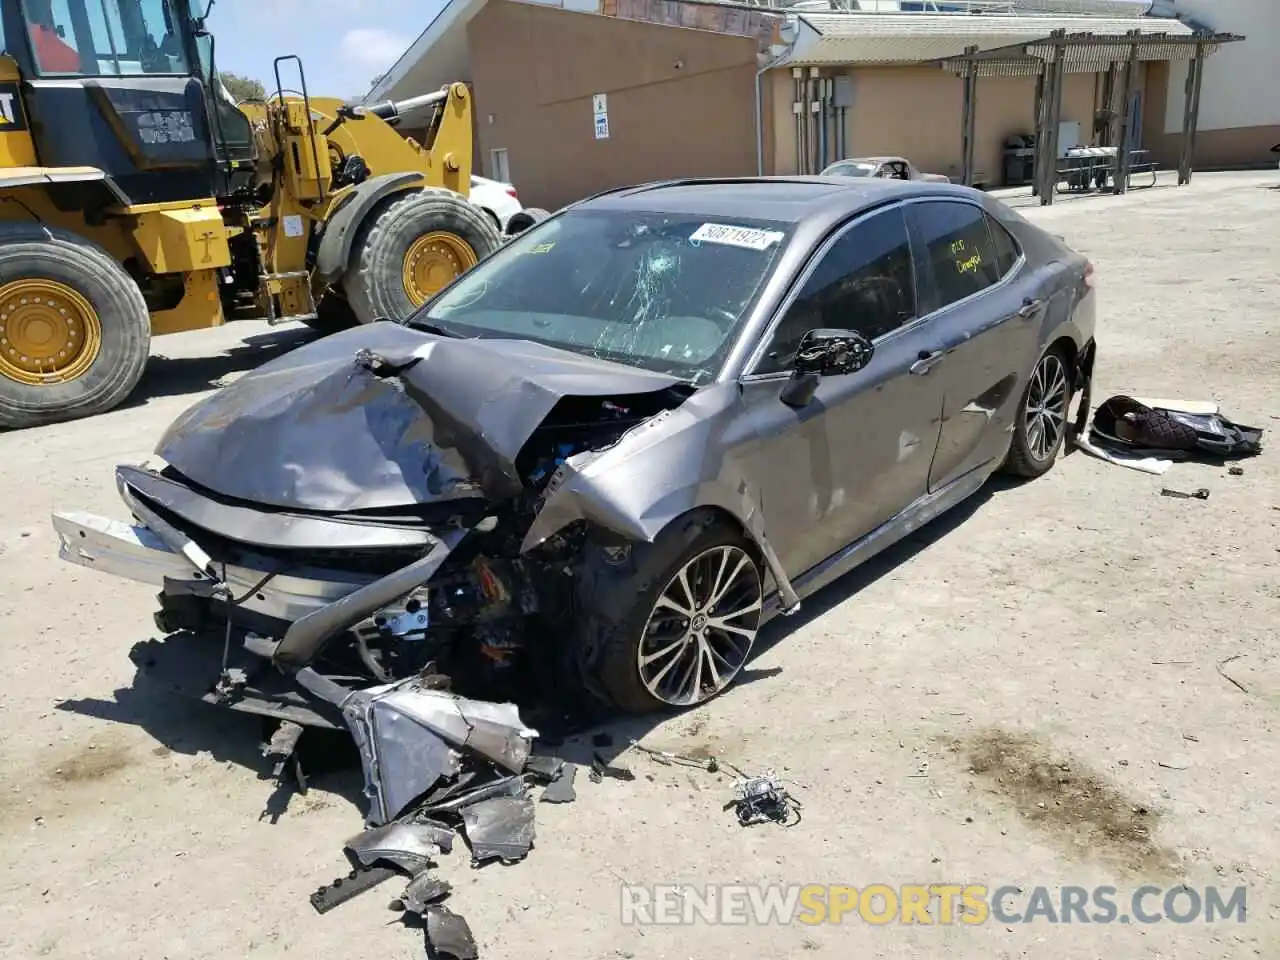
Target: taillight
{"points": [[1088, 274], [511, 192]]}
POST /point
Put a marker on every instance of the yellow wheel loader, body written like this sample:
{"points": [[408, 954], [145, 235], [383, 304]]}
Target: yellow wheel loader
{"points": [[138, 199]]}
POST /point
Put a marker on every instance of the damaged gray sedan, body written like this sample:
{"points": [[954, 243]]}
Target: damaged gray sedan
{"points": [[599, 461]]}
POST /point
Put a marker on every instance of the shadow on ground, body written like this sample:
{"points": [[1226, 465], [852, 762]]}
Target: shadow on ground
{"points": [[167, 376]]}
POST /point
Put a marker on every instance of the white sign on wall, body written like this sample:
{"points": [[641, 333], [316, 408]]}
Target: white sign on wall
{"points": [[600, 110]]}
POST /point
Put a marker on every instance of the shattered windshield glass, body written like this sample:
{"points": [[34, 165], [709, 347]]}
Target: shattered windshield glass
{"points": [[665, 292]]}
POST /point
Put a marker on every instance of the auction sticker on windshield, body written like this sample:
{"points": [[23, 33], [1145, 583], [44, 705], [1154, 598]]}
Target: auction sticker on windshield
{"points": [[732, 236]]}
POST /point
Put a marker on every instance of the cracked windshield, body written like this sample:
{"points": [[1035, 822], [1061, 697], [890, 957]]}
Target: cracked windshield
{"points": [[662, 292]]}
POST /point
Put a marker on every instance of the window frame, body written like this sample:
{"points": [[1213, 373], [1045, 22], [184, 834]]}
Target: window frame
{"points": [[802, 276], [918, 245], [993, 224]]}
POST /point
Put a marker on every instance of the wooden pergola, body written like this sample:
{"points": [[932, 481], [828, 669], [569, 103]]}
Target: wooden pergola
{"points": [[1050, 59]]}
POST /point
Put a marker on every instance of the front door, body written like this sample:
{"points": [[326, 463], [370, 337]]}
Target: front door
{"points": [[986, 315], [860, 450]]}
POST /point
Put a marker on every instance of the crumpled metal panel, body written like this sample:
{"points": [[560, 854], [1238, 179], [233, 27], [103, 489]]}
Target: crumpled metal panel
{"points": [[692, 456], [409, 737], [500, 828], [318, 429], [410, 846]]}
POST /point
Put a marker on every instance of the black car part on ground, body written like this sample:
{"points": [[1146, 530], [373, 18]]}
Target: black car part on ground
{"points": [[1125, 424]]}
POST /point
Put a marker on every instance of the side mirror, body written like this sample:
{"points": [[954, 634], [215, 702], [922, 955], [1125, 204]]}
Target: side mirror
{"points": [[830, 353], [824, 353]]}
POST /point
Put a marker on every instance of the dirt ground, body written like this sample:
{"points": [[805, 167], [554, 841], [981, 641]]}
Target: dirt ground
{"points": [[927, 703]]}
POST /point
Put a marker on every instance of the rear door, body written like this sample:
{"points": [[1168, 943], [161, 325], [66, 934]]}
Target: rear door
{"points": [[859, 452], [986, 313]]}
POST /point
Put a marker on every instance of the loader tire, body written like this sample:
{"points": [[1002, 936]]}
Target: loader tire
{"points": [[415, 245], [74, 329]]}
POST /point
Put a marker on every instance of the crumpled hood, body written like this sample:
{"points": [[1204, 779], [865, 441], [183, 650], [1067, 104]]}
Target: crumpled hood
{"points": [[429, 419]]}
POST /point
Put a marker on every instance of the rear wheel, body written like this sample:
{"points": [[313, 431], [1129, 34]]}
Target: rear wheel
{"points": [[74, 329], [1042, 416], [415, 245]]}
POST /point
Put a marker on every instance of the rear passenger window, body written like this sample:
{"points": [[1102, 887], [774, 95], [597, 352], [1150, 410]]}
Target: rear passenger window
{"points": [[961, 255], [1007, 252]]}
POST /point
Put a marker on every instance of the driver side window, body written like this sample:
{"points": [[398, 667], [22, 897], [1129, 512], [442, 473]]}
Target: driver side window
{"points": [[864, 282]]}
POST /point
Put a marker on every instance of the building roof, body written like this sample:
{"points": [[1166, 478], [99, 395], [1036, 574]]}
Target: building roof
{"points": [[833, 38], [440, 54]]}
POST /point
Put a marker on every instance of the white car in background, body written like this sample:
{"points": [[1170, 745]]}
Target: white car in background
{"points": [[499, 200]]}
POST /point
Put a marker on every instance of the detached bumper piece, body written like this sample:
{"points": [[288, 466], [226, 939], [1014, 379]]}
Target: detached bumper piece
{"points": [[436, 763]]}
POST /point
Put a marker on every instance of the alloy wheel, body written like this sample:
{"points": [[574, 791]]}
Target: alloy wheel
{"points": [[1046, 409], [702, 627]]}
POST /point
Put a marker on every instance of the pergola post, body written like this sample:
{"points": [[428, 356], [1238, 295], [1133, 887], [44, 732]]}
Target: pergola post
{"points": [[1107, 134], [1051, 116], [1191, 113], [969, 114], [1126, 112], [1039, 110]]}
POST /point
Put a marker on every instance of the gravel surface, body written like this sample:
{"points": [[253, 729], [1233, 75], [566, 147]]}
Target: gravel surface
{"points": [[1076, 625]]}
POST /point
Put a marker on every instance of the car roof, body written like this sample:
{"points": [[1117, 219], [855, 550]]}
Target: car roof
{"points": [[782, 199]]}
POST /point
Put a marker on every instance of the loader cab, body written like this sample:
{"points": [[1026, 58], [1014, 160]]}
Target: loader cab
{"points": [[121, 85]]}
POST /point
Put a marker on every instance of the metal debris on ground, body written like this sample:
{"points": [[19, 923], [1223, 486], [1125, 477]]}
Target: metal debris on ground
{"points": [[764, 799], [500, 828], [448, 935], [1200, 494], [424, 889], [352, 885], [561, 789], [436, 763], [600, 768], [665, 757], [409, 846], [283, 749]]}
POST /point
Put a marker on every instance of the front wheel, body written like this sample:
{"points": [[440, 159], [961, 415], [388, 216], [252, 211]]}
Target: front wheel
{"points": [[1042, 416], [688, 612], [417, 244]]}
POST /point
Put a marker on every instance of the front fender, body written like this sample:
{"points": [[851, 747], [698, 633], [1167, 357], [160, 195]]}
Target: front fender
{"points": [[342, 226], [678, 461]]}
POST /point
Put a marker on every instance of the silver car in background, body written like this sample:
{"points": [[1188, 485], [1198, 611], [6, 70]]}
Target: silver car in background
{"points": [[600, 460]]}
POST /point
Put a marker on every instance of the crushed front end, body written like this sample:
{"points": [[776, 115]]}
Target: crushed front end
{"points": [[382, 544]]}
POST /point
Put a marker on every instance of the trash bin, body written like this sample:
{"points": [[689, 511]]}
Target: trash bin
{"points": [[1019, 160]]}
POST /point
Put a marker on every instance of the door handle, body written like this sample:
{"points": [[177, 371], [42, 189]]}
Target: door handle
{"points": [[925, 361], [1030, 308]]}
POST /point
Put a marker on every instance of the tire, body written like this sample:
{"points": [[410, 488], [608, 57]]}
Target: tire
{"points": [[524, 219], [375, 280], [333, 314], [107, 297], [616, 601], [1030, 455]]}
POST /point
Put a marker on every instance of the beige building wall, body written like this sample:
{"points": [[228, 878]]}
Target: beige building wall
{"points": [[681, 102]]}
